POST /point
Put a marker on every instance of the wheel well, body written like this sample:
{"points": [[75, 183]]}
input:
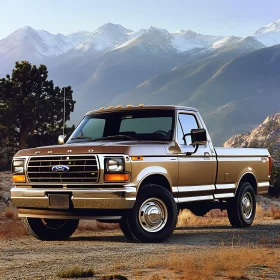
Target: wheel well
{"points": [[157, 179], [250, 178]]}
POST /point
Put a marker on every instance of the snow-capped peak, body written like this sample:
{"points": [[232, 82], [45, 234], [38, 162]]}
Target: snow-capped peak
{"points": [[111, 27], [43, 42], [270, 34], [272, 27], [105, 38]]}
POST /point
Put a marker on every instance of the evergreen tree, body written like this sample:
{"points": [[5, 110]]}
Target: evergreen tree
{"points": [[30, 102]]}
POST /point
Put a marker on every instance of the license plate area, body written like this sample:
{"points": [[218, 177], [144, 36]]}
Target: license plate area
{"points": [[59, 201]]}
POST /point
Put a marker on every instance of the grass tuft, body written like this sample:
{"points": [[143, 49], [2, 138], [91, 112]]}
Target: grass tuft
{"points": [[76, 272], [275, 213], [214, 217], [231, 262]]}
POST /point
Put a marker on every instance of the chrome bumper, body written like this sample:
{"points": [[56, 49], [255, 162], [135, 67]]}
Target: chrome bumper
{"points": [[97, 198]]}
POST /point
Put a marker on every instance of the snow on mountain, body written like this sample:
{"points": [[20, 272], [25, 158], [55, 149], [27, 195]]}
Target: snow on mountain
{"points": [[105, 38], [24, 35], [40, 41], [270, 34], [152, 39], [77, 38], [160, 39], [187, 40], [28, 42], [225, 41], [53, 45]]}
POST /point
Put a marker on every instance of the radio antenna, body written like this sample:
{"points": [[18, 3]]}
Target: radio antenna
{"points": [[63, 112]]}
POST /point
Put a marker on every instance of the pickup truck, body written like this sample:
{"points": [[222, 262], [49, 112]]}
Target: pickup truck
{"points": [[136, 166]]}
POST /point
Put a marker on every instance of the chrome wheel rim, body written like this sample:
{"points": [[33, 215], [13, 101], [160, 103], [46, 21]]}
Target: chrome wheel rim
{"points": [[53, 223], [153, 215], [247, 206]]}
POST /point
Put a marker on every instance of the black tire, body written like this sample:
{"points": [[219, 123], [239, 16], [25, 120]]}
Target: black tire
{"points": [[126, 230], [241, 214], [160, 219], [50, 229]]}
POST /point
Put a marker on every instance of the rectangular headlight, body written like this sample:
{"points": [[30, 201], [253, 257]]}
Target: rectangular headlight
{"points": [[114, 165], [18, 166]]}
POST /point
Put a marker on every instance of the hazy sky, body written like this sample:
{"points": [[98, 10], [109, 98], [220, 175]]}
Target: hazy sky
{"points": [[217, 17]]}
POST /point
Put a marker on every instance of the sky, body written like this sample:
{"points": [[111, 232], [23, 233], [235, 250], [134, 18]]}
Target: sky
{"points": [[213, 17]]}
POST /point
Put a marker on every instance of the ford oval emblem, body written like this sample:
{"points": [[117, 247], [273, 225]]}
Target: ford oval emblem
{"points": [[60, 168]]}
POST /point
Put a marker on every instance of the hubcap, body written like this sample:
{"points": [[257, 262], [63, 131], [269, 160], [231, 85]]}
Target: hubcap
{"points": [[247, 205], [153, 215]]}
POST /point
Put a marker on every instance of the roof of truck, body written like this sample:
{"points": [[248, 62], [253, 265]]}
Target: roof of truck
{"points": [[140, 107]]}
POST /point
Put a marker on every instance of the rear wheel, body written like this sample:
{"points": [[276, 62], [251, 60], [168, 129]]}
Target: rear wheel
{"points": [[154, 216], [242, 209], [50, 229]]}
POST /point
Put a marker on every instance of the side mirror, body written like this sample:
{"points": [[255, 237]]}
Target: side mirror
{"points": [[199, 136], [61, 139]]}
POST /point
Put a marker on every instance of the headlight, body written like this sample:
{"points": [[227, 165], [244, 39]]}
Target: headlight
{"points": [[18, 166], [114, 165]]}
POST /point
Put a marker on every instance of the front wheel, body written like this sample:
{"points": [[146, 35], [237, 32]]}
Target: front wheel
{"points": [[242, 209], [154, 216], [50, 229]]}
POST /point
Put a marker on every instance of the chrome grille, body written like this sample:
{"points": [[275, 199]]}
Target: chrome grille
{"points": [[83, 169]]}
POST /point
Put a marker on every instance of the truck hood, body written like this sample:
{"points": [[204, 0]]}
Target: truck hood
{"points": [[108, 147]]}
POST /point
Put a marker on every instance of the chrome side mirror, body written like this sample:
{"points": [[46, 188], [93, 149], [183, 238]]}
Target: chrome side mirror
{"points": [[61, 139]]}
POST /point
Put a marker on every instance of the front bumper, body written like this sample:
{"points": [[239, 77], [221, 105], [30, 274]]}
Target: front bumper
{"points": [[79, 199]]}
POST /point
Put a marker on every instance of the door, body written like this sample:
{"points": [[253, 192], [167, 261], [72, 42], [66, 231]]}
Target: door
{"points": [[196, 172]]}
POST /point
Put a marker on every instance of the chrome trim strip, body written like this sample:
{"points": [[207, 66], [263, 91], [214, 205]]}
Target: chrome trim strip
{"points": [[45, 216], [196, 188], [225, 186], [175, 189], [263, 184], [195, 198], [224, 195]]}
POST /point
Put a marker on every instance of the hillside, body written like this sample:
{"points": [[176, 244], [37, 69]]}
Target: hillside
{"points": [[266, 134], [234, 92]]}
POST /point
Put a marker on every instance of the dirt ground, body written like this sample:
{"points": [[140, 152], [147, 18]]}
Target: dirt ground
{"points": [[108, 252]]}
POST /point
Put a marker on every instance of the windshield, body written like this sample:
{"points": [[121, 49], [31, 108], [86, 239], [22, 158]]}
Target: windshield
{"points": [[152, 125]]}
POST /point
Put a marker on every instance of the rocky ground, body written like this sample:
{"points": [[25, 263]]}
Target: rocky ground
{"points": [[108, 252]]}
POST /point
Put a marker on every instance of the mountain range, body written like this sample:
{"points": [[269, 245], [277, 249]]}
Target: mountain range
{"points": [[233, 81]]}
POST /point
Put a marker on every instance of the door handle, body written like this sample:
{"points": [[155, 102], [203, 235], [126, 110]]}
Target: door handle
{"points": [[206, 155]]}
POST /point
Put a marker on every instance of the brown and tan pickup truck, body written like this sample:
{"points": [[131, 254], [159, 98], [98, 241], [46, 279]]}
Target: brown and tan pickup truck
{"points": [[137, 166]]}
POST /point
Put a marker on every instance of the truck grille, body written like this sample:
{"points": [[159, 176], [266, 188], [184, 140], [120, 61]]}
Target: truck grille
{"points": [[82, 169]]}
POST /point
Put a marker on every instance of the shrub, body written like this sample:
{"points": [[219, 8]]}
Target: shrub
{"points": [[76, 272]]}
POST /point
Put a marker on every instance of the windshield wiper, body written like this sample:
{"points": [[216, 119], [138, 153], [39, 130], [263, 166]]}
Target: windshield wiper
{"points": [[81, 137], [120, 136]]}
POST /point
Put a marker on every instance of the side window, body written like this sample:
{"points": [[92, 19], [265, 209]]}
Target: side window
{"points": [[185, 125]]}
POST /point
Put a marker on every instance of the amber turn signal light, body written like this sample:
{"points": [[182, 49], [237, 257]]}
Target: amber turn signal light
{"points": [[116, 177], [137, 158], [19, 178]]}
